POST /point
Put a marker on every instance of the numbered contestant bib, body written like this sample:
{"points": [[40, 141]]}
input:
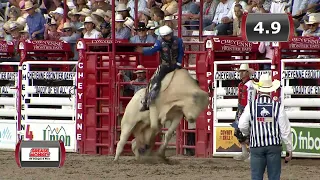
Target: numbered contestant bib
{"points": [[264, 112]]}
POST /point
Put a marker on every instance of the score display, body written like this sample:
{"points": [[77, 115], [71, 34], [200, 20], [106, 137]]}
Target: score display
{"points": [[267, 27]]}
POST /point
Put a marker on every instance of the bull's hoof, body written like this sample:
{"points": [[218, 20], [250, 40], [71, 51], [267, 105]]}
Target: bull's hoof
{"points": [[144, 149]]}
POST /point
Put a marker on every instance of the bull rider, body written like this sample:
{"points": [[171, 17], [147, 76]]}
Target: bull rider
{"points": [[171, 50], [246, 94]]}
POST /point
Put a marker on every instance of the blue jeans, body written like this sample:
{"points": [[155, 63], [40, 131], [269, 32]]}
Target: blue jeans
{"points": [[263, 157]]}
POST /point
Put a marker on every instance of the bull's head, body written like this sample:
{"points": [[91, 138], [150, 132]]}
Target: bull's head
{"points": [[195, 106]]}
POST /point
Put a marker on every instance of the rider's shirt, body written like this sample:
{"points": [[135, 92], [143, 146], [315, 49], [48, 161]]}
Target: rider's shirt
{"points": [[170, 52]]}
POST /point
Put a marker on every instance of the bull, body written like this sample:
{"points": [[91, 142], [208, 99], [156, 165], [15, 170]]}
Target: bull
{"points": [[179, 96]]}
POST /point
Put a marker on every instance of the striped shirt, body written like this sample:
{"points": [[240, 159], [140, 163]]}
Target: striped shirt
{"points": [[267, 123], [265, 130]]}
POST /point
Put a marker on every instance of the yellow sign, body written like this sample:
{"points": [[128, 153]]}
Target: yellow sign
{"points": [[226, 141]]}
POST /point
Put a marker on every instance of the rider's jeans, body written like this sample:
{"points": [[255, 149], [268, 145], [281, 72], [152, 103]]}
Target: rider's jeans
{"points": [[262, 157]]}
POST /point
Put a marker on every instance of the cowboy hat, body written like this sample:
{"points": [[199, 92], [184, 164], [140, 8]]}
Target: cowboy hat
{"points": [[313, 18], [59, 10], [109, 13], [128, 22], [140, 71], [84, 12], [151, 25], [88, 20], [67, 25], [266, 84], [13, 25], [122, 7], [21, 21], [72, 12], [141, 26], [245, 67], [168, 18], [100, 13], [119, 18], [28, 5]]}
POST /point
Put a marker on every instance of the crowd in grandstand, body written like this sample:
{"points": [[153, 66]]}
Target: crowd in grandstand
{"points": [[44, 19]]}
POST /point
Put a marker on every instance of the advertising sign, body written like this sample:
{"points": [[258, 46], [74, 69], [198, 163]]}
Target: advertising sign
{"points": [[54, 132], [40, 153], [225, 140], [8, 135], [305, 140]]}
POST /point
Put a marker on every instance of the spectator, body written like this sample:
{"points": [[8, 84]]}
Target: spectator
{"points": [[91, 32], [303, 24], [280, 6], [313, 23], [170, 21], [170, 7], [14, 13], [35, 22], [209, 9], [129, 23], [70, 36], [232, 14], [58, 17], [123, 10], [6, 30], [51, 31], [152, 10], [121, 31], [144, 16], [98, 17], [22, 22], [81, 31], [74, 19], [158, 17], [15, 30], [100, 4], [257, 7], [141, 78], [105, 30], [108, 16], [298, 7], [142, 5], [142, 36], [221, 22], [83, 14], [238, 11], [80, 4], [24, 34], [151, 29], [189, 9], [265, 47], [266, 4]]}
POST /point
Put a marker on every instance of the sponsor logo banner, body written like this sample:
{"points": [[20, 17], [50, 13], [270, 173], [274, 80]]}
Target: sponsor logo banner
{"points": [[226, 141]]}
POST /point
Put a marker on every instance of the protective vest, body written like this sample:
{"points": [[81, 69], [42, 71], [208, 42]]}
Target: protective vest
{"points": [[169, 51]]}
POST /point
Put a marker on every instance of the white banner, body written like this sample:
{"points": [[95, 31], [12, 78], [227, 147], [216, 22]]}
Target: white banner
{"points": [[40, 154], [54, 131], [8, 134]]}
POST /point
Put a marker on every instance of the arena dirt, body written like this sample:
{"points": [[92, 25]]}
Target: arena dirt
{"points": [[89, 167]]}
